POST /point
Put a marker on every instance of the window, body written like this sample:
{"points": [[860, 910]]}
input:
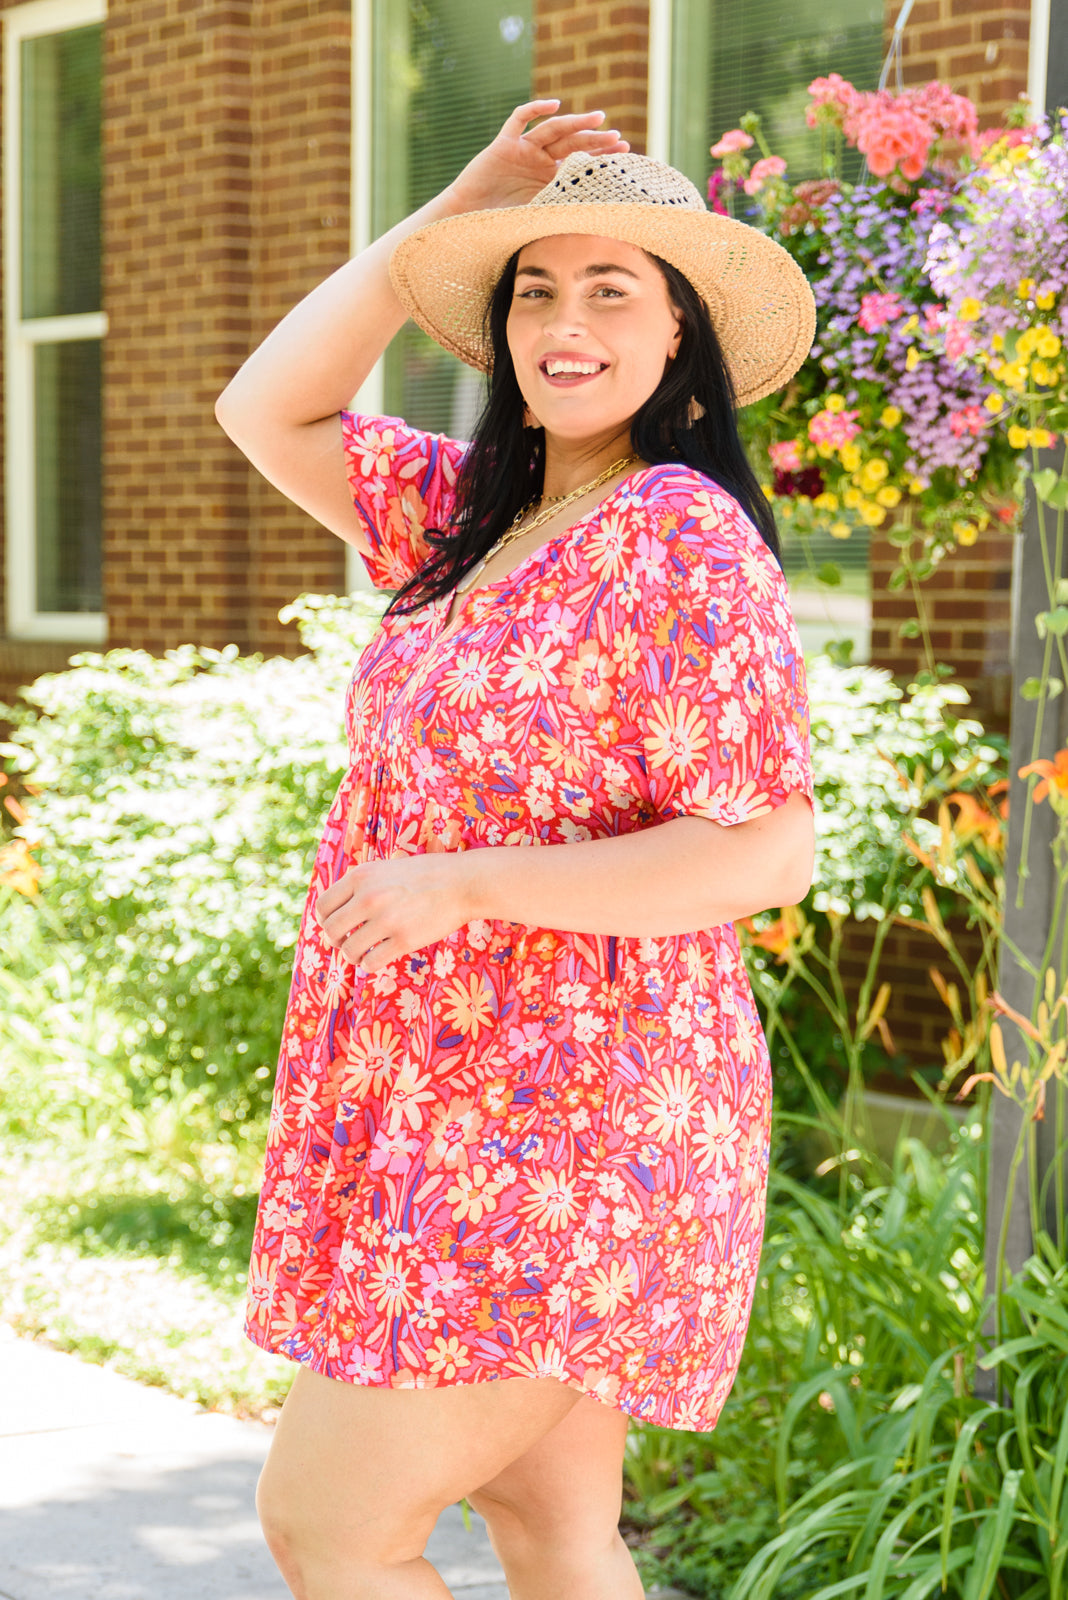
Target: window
{"points": [[54, 324], [446, 75], [727, 59]]}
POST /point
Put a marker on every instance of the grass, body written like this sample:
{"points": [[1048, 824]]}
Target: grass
{"points": [[126, 1266]]}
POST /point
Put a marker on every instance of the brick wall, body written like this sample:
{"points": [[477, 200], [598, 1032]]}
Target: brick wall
{"points": [[301, 130], [226, 198], [978, 47], [593, 55], [968, 604]]}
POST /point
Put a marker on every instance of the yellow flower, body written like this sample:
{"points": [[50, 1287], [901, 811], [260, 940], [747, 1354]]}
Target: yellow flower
{"points": [[874, 473], [1027, 343], [997, 341], [840, 530], [912, 360], [849, 455], [970, 309], [890, 416], [851, 499], [834, 402], [1025, 288], [871, 514], [825, 450], [769, 492], [1049, 344], [1018, 437], [1043, 374], [1041, 437], [888, 495], [994, 403], [1021, 153], [826, 501], [917, 485], [911, 325], [1046, 302], [965, 532]]}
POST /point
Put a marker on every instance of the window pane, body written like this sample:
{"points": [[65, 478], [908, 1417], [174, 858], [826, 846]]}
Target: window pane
{"points": [[68, 475], [446, 74], [60, 231], [730, 58]]}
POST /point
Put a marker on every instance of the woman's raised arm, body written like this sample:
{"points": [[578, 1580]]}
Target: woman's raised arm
{"points": [[281, 409]]}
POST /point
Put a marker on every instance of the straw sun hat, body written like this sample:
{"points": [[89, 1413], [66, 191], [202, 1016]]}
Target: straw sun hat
{"points": [[759, 299]]}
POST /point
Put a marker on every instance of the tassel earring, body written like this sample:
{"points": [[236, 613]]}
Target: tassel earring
{"points": [[695, 411]]}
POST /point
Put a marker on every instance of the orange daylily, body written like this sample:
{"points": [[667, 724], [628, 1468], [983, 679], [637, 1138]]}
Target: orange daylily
{"points": [[1053, 773], [974, 820], [777, 936], [18, 869]]}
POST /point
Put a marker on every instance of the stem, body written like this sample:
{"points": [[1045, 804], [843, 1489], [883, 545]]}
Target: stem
{"points": [[921, 610], [1003, 1232]]}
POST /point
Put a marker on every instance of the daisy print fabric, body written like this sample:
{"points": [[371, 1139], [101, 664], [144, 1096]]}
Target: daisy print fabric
{"points": [[522, 1152]]}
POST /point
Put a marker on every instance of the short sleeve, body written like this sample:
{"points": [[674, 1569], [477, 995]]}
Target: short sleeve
{"points": [[402, 481], [717, 706]]}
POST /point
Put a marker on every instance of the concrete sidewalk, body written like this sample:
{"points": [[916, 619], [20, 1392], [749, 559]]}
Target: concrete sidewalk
{"points": [[113, 1491]]}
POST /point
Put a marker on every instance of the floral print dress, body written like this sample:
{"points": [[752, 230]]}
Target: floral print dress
{"points": [[517, 1151]]}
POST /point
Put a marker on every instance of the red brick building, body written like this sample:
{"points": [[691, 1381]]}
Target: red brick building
{"points": [[178, 172]]}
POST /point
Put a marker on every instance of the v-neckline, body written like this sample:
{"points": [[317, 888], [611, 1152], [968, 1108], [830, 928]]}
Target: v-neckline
{"points": [[447, 627]]}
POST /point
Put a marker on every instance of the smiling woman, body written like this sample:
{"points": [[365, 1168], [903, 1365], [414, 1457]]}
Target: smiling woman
{"points": [[521, 1042]]}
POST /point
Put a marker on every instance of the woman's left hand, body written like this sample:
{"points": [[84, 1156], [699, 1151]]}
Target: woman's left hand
{"points": [[378, 911]]}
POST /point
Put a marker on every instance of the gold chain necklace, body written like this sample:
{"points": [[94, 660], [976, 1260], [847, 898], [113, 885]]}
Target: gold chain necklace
{"points": [[556, 503]]}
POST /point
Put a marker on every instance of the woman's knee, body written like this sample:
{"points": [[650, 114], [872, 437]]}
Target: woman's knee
{"points": [[313, 1550]]}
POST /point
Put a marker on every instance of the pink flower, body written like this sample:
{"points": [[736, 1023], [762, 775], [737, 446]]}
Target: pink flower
{"points": [[836, 95], [970, 420], [876, 310], [786, 455], [731, 143], [834, 428], [767, 167], [893, 136], [959, 339]]}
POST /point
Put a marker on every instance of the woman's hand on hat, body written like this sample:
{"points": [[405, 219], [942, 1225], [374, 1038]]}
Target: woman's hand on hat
{"points": [[522, 160]]}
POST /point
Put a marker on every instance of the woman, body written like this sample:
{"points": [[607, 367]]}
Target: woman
{"points": [[516, 1164]]}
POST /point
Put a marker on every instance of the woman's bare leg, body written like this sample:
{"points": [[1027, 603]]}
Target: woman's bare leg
{"points": [[356, 1477], [553, 1514]]}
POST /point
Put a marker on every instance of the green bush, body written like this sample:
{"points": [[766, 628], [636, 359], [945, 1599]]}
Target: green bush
{"points": [[177, 804]]}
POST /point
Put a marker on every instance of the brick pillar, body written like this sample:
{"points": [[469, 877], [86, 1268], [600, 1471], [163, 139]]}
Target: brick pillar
{"points": [[301, 135], [177, 194], [594, 54]]}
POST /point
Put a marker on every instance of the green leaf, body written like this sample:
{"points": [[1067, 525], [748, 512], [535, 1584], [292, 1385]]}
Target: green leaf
{"points": [[829, 573], [1031, 688], [1044, 482], [1055, 622], [897, 579], [909, 629], [984, 1571]]}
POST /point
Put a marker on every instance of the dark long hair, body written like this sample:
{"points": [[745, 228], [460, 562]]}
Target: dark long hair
{"points": [[505, 467]]}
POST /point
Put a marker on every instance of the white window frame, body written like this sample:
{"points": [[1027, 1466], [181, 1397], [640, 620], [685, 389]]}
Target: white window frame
{"points": [[24, 621]]}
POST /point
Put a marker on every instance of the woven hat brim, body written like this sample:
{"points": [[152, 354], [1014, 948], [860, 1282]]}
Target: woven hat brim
{"points": [[759, 300]]}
